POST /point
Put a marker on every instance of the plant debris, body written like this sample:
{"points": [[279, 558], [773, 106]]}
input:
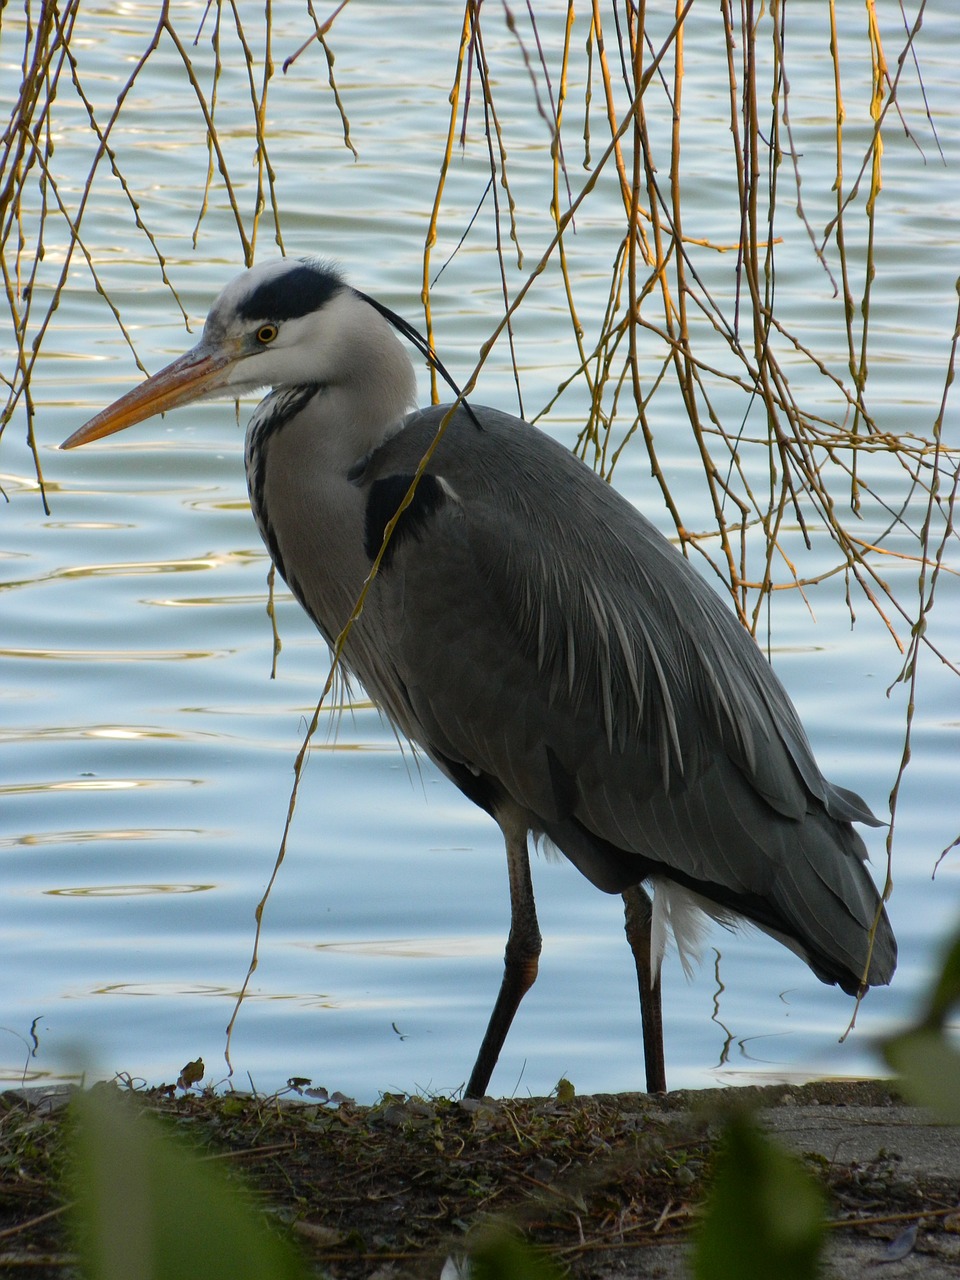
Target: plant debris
{"points": [[393, 1189]]}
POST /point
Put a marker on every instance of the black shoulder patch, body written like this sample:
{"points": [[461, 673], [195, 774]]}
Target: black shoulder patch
{"points": [[382, 502], [303, 287]]}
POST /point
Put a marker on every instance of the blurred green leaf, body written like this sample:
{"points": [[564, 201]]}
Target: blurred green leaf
{"points": [[929, 1070], [946, 990], [502, 1256], [764, 1215], [145, 1205], [927, 1064]]}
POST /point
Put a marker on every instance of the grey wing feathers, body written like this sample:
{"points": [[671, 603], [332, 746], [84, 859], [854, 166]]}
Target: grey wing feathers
{"points": [[611, 693]]}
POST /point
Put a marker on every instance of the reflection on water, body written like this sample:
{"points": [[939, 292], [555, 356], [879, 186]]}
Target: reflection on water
{"points": [[147, 757], [160, 990], [121, 835], [99, 784], [129, 890], [417, 948], [112, 655]]}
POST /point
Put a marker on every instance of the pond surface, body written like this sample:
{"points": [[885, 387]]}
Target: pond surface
{"points": [[146, 756]]}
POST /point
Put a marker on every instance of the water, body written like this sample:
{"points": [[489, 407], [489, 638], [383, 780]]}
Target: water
{"points": [[145, 754]]}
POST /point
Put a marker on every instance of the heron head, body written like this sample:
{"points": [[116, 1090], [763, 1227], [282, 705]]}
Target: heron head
{"points": [[284, 323]]}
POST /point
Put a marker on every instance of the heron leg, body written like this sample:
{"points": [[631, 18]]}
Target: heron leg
{"points": [[520, 960], [638, 919]]}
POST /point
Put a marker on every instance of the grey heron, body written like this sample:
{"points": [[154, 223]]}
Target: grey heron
{"points": [[553, 654]]}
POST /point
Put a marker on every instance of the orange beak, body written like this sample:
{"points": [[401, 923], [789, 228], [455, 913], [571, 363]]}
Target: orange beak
{"points": [[199, 372]]}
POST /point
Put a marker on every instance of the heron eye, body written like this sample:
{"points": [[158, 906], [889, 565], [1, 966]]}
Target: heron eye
{"points": [[266, 333]]}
